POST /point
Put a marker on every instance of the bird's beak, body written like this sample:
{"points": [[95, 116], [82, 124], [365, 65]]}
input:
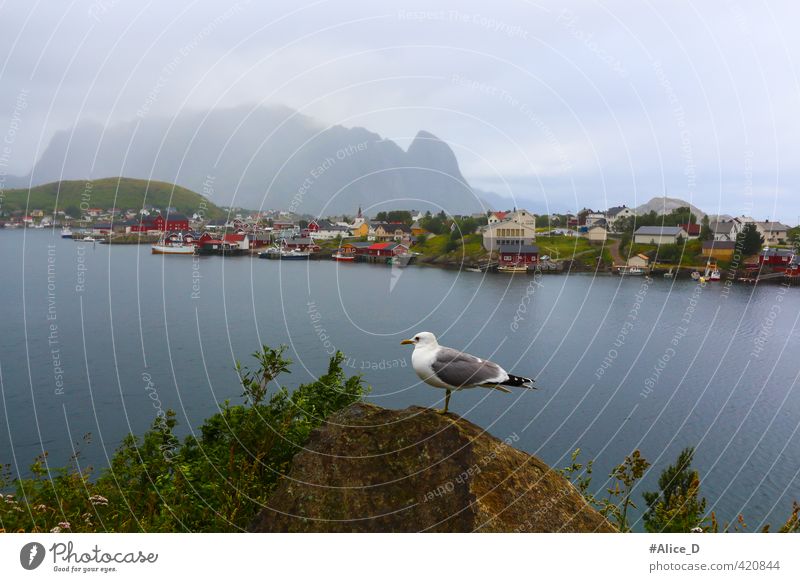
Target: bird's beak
{"points": [[406, 342]]}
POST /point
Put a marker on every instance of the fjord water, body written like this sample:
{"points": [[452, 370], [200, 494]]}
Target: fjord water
{"points": [[95, 338]]}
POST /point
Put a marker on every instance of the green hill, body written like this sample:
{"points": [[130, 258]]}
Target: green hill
{"points": [[123, 193]]}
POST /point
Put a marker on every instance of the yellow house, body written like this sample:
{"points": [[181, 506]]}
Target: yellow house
{"points": [[719, 249], [360, 230]]}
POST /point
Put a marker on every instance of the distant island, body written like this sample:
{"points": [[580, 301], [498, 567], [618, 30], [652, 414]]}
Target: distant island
{"points": [[76, 197]]}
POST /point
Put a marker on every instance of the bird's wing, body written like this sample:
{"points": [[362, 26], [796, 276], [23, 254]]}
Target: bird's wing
{"points": [[460, 369]]}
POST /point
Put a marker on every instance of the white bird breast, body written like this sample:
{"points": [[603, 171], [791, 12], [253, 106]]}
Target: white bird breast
{"points": [[422, 360]]}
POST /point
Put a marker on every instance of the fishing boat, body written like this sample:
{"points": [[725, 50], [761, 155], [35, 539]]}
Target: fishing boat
{"points": [[89, 239], [712, 273], [669, 274], [626, 270], [284, 254], [165, 247], [696, 275], [512, 269], [344, 257], [66, 232]]}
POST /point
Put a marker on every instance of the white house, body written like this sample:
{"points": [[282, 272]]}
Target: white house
{"points": [[517, 228], [659, 235], [725, 230], [774, 233], [623, 211], [619, 213], [594, 218]]}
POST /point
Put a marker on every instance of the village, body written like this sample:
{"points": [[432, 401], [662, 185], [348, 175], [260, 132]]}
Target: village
{"points": [[617, 240]]}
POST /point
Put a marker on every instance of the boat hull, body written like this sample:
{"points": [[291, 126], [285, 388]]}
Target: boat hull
{"points": [[172, 250], [285, 256]]}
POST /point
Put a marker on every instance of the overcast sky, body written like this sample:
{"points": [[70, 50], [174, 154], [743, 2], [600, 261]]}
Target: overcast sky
{"points": [[570, 104]]}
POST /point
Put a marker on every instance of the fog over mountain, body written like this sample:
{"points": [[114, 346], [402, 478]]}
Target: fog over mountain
{"points": [[265, 157]]}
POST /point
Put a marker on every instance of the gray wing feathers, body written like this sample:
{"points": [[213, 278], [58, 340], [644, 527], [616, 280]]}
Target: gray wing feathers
{"points": [[460, 369]]}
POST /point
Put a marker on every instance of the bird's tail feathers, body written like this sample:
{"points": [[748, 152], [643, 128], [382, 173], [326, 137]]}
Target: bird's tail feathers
{"points": [[520, 382]]}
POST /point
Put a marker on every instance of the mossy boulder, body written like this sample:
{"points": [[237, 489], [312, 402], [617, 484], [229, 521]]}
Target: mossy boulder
{"points": [[369, 469]]}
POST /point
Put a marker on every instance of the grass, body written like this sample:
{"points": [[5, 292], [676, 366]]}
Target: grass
{"points": [[123, 193], [468, 250], [568, 247]]}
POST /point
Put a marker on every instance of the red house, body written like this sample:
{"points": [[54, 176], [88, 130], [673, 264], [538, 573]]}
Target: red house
{"points": [[383, 249], [300, 244], [240, 240], [176, 222], [693, 230], [776, 258], [513, 255]]}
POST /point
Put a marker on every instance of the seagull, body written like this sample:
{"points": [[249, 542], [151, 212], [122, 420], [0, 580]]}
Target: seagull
{"points": [[453, 370]]}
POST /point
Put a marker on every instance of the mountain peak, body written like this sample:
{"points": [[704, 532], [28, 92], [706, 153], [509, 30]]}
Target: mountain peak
{"points": [[665, 205], [273, 158]]}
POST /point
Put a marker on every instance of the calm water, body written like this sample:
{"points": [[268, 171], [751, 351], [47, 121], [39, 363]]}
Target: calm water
{"points": [[621, 364]]}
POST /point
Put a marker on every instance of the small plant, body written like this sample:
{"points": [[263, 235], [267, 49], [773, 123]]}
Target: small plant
{"points": [[677, 507], [574, 474], [625, 477], [271, 365]]}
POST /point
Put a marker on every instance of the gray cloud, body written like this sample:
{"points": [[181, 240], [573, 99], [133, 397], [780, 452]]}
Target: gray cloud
{"points": [[567, 105]]}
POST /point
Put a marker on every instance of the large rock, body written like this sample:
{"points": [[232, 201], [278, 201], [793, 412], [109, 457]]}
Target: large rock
{"points": [[375, 470]]}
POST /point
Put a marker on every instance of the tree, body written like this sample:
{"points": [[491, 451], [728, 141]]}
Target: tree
{"points": [[403, 216], [677, 507], [705, 229], [750, 240]]}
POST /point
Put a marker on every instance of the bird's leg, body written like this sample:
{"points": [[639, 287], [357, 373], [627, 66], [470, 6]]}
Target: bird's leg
{"points": [[446, 402]]}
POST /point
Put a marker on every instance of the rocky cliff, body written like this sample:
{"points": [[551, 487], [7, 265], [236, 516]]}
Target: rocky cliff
{"points": [[375, 470]]}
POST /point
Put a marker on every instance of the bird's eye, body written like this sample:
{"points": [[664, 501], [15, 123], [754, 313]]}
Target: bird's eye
{"points": [[417, 338]]}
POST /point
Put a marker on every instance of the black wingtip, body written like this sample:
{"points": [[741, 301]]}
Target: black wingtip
{"points": [[520, 381]]}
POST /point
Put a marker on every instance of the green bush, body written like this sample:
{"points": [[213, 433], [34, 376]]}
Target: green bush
{"points": [[215, 480]]}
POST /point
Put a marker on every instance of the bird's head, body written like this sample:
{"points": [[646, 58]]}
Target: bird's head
{"points": [[422, 339]]}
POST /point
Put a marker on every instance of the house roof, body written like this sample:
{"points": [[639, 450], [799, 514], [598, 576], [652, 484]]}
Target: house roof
{"points": [[724, 227], [303, 240], [234, 237], [719, 244], [777, 253], [614, 210], [660, 230], [773, 226], [385, 246], [501, 215], [519, 249], [175, 216], [692, 229]]}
